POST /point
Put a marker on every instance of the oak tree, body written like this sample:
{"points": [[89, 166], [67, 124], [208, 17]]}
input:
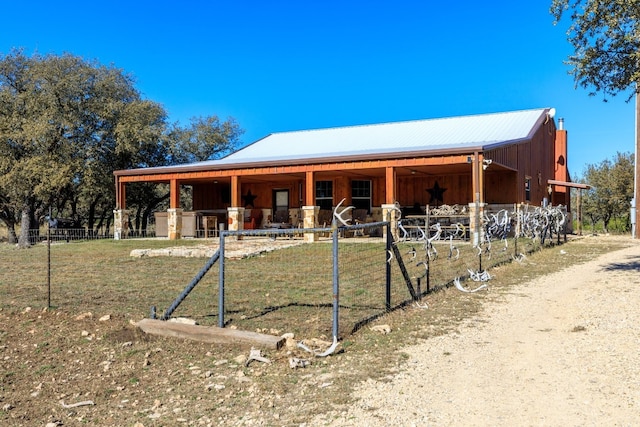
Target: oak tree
{"points": [[605, 35]]}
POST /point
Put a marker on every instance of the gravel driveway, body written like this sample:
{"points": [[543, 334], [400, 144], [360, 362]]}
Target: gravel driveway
{"points": [[561, 350]]}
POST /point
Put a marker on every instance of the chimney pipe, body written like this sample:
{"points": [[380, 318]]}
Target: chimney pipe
{"points": [[561, 123]]}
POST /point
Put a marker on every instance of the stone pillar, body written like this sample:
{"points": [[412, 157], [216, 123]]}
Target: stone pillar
{"points": [[120, 224], [476, 211], [390, 213], [174, 223], [310, 220], [236, 219]]}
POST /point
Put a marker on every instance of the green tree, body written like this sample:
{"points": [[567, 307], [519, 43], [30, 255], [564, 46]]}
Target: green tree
{"points": [[611, 191], [65, 125], [205, 138], [605, 35], [606, 40]]}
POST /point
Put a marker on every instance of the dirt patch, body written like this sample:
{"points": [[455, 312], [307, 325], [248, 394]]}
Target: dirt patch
{"points": [[233, 249]]}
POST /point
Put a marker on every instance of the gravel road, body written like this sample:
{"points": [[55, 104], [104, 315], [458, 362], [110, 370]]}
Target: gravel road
{"points": [[560, 350]]}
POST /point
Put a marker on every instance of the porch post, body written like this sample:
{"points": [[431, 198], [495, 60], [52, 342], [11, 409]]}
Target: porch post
{"points": [[235, 212], [236, 219], [476, 211], [389, 212], [174, 213], [476, 208], [120, 223], [309, 189], [174, 193], [121, 194], [310, 210], [310, 220], [174, 223]]}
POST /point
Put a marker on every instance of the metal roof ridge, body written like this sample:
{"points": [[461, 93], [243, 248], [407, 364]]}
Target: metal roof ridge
{"points": [[432, 119]]}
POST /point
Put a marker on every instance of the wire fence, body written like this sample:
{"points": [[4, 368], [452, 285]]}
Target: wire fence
{"points": [[321, 289], [76, 234], [268, 280]]}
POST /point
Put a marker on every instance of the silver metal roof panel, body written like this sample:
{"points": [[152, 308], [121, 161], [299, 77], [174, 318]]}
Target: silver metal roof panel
{"points": [[475, 131]]}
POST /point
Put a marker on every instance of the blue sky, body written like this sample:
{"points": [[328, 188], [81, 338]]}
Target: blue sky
{"points": [[289, 65]]}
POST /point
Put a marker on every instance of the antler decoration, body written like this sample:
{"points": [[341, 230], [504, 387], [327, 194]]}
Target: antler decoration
{"points": [[338, 216]]}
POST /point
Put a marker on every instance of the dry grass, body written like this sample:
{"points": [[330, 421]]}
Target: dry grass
{"points": [[53, 355]]}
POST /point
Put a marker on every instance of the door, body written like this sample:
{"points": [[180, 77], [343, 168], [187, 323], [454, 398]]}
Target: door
{"points": [[280, 205]]}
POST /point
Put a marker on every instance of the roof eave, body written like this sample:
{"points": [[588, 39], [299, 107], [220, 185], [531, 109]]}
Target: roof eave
{"points": [[298, 162]]}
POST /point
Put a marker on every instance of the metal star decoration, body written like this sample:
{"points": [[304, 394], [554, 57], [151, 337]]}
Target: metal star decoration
{"points": [[248, 199], [436, 193]]}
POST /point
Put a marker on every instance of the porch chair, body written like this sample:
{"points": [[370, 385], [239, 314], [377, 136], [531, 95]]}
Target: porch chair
{"points": [[252, 219], [359, 216]]}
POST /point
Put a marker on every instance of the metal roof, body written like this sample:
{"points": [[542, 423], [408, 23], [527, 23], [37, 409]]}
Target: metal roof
{"points": [[476, 131], [386, 140]]}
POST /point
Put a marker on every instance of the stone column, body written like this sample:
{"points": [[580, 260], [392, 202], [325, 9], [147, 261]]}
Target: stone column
{"points": [[391, 214], [120, 224], [174, 223], [236, 219], [476, 211], [310, 220]]}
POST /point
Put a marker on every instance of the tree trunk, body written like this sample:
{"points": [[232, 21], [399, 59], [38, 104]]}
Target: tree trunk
{"points": [[137, 220], [23, 240], [91, 219], [7, 219], [606, 220], [12, 237]]}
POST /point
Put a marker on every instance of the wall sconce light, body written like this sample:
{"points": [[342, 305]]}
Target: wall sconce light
{"points": [[486, 163]]}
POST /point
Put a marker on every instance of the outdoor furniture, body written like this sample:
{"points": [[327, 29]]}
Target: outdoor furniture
{"points": [[252, 219], [210, 224]]}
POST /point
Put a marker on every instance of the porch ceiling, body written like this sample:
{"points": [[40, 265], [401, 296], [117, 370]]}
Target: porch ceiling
{"points": [[364, 173]]}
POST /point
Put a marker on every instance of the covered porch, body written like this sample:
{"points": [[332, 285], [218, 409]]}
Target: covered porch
{"points": [[303, 196]]}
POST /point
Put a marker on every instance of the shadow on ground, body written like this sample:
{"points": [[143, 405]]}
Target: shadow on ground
{"points": [[632, 263]]}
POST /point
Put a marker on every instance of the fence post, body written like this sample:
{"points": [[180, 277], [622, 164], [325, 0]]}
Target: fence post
{"points": [[49, 262], [223, 234], [336, 281], [428, 274], [387, 296]]}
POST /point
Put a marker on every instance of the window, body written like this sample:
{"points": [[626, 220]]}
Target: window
{"points": [[361, 195], [527, 188], [324, 194]]}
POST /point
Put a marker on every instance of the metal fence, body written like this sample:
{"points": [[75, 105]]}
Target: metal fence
{"points": [[268, 280], [327, 288], [76, 234]]}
